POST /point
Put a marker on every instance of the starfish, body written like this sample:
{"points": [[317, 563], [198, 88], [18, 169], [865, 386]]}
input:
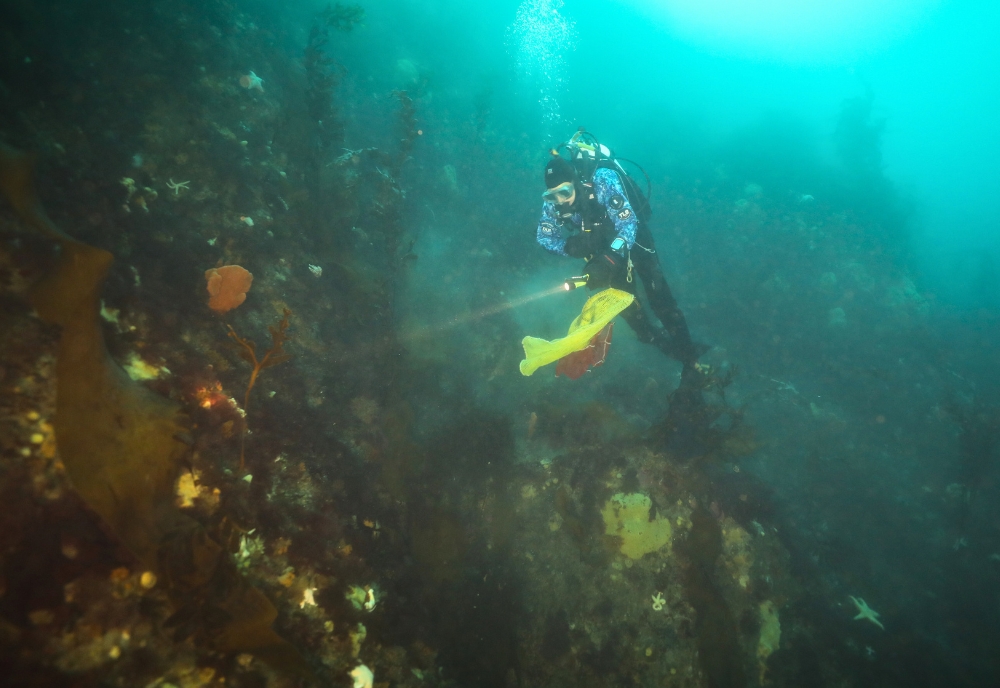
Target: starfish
{"points": [[177, 186], [866, 612], [252, 81], [658, 602]]}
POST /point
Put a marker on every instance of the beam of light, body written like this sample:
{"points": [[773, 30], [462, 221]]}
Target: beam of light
{"points": [[464, 318], [790, 30], [419, 335]]}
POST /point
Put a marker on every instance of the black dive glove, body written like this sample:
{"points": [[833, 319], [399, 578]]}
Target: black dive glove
{"points": [[606, 269], [583, 244]]}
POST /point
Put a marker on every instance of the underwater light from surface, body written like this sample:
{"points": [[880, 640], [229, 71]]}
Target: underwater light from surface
{"points": [[791, 30]]}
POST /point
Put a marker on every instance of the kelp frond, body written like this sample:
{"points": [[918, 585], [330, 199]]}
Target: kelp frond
{"points": [[248, 352]]}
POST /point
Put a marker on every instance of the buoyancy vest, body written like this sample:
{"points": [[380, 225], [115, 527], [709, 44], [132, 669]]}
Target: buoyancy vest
{"points": [[588, 156]]}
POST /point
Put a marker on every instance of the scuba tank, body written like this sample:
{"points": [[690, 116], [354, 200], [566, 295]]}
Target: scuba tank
{"points": [[588, 154]]}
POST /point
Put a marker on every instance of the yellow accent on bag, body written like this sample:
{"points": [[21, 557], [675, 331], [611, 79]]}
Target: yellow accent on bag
{"points": [[600, 309]]}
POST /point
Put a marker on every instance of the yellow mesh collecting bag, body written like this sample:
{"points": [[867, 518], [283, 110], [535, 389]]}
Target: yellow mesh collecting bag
{"points": [[600, 309]]}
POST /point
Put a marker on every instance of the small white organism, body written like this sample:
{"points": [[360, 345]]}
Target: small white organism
{"points": [[308, 598], [363, 676], [316, 270], [370, 601]]}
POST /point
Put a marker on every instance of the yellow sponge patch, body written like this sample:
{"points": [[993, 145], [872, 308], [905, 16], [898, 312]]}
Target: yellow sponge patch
{"points": [[770, 630], [770, 635], [626, 516]]}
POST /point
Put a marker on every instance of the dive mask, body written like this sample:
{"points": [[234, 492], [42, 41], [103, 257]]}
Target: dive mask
{"points": [[560, 194]]}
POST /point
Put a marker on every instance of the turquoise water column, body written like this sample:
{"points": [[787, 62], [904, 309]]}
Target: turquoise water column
{"points": [[538, 40]]}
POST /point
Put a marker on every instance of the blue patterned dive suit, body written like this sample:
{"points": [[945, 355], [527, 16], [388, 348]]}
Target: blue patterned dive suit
{"points": [[601, 213], [609, 192]]}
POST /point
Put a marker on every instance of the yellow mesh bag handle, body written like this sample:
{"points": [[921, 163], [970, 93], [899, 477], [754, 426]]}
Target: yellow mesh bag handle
{"points": [[600, 309]]}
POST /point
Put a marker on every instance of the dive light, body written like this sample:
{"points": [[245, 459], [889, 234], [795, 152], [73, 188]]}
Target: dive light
{"points": [[576, 282]]}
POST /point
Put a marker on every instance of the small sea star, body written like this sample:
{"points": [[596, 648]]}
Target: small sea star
{"points": [[658, 602], [252, 81], [177, 186], [866, 612]]}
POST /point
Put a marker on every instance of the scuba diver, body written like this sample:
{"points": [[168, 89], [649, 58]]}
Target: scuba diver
{"points": [[594, 210]]}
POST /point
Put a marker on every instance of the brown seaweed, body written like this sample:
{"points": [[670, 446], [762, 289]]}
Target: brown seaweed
{"points": [[122, 448], [273, 357]]}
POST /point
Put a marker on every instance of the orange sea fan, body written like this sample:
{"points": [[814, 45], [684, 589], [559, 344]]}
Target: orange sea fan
{"points": [[227, 287]]}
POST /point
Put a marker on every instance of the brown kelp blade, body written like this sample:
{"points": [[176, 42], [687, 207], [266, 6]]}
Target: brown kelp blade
{"points": [[17, 185], [119, 443]]}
